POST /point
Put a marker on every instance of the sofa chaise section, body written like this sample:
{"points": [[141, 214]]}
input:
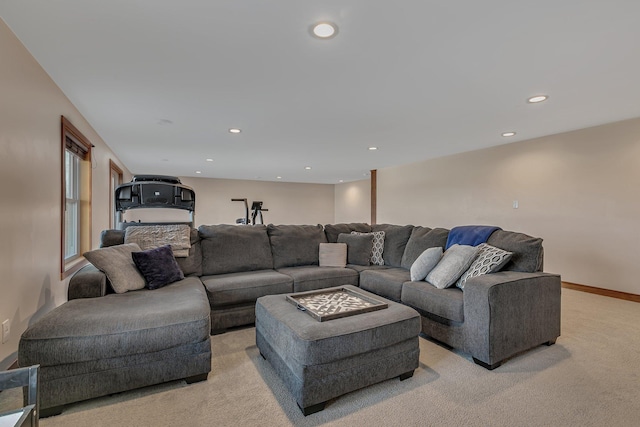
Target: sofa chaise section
{"points": [[91, 347]]}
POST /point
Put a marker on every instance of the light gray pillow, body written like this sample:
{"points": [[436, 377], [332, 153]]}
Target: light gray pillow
{"points": [[455, 261], [117, 263], [425, 262], [333, 255], [489, 260]]}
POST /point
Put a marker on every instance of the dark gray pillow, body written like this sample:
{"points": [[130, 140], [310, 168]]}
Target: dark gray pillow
{"points": [[423, 238], [359, 247], [333, 230], [111, 238], [293, 245], [527, 251], [395, 241], [158, 266]]}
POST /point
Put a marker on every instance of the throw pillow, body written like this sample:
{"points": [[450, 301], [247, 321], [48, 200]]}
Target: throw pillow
{"points": [[333, 254], [455, 261], [378, 246], [117, 264], [427, 260], [158, 266], [489, 260], [359, 247]]}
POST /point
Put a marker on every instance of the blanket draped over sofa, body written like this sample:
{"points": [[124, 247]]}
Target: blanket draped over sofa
{"points": [[101, 342]]}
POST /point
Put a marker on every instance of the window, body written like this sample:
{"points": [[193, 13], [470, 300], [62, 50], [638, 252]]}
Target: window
{"points": [[76, 198], [115, 179]]}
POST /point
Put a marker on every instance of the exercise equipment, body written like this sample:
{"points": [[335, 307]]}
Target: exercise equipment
{"points": [[256, 212]]}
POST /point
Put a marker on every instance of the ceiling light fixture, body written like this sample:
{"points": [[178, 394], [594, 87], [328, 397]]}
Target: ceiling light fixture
{"points": [[373, 148], [324, 30], [198, 172], [508, 134], [209, 160], [308, 168], [234, 130], [278, 177], [537, 98]]}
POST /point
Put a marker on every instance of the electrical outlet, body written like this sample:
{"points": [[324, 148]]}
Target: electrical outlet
{"points": [[515, 204], [6, 330]]}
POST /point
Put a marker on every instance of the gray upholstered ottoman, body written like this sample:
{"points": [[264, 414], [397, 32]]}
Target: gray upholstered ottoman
{"points": [[319, 361]]}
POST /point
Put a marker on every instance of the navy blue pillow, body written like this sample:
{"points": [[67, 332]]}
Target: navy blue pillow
{"points": [[158, 266]]}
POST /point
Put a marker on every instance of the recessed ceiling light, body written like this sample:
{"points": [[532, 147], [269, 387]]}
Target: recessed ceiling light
{"points": [[507, 134], [342, 180], [324, 30], [373, 148], [209, 160], [198, 172], [308, 168], [235, 130], [537, 98], [278, 177]]}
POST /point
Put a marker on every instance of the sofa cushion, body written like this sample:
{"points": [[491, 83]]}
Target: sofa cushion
{"points": [[422, 238], [294, 245], [489, 260], [191, 265], [395, 241], [158, 266], [234, 248], [359, 247], [385, 282], [446, 303], [116, 325], [310, 277], [425, 263], [333, 255], [455, 261], [116, 262], [527, 251], [332, 231], [111, 238], [361, 268], [378, 246], [245, 287]]}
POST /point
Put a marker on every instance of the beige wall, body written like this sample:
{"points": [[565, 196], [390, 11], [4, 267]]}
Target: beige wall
{"points": [[287, 203], [576, 190], [353, 202], [30, 173]]}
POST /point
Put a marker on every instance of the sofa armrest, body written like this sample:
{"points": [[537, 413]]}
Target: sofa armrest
{"points": [[88, 282], [509, 312]]}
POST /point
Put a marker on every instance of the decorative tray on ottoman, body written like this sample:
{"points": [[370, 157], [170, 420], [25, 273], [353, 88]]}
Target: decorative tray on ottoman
{"points": [[334, 303]]}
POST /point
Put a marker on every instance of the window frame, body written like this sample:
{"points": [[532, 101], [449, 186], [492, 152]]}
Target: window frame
{"points": [[114, 171], [75, 142]]}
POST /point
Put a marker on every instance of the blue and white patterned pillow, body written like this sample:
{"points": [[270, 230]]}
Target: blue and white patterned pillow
{"points": [[489, 260], [378, 246]]}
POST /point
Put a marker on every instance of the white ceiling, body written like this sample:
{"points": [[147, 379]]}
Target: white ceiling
{"points": [[418, 79]]}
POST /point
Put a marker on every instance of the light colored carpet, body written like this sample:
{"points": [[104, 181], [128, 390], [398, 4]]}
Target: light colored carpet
{"points": [[591, 377]]}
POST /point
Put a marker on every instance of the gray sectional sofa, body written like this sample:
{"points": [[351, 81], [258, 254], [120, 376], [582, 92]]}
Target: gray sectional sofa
{"points": [[100, 342]]}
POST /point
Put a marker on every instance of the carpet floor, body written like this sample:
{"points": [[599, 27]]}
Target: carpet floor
{"points": [[590, 377]]}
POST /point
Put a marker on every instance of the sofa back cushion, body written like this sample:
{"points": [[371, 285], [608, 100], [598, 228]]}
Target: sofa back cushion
{"points": [[190, 266], [528, 253], [422, 238], [234, 248], [333, 230], [395, 241], [293, 245]]}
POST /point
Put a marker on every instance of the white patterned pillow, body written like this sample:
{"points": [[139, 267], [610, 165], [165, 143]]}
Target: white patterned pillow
{"points": [[378, 246], [489, 260]]}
